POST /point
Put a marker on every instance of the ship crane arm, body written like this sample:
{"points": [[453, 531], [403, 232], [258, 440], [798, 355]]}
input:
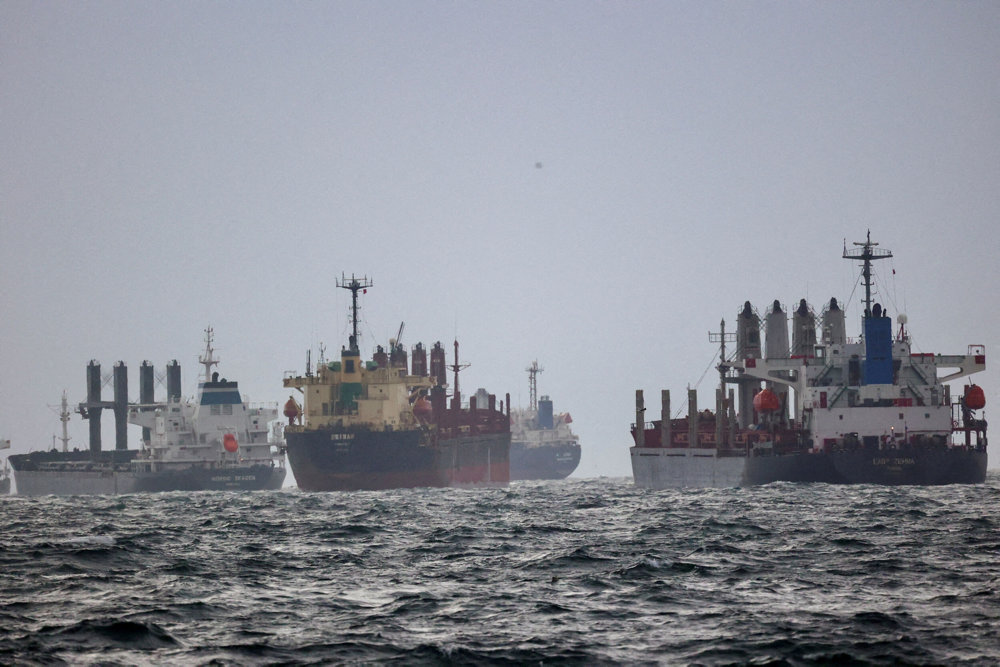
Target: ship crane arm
{"points": [[967, 364]]}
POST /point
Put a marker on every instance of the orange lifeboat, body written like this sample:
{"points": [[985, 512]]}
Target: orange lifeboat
{"points": [[422, 409], [766, 401], [975, 399], [229, 443], [291, 408]]}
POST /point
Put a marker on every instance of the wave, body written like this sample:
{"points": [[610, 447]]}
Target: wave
{"points": [[582, 571]]}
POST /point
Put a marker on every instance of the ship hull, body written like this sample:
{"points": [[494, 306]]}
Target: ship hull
{"points": [[327, 460], [111, 473], [659, 468], [548, 461], [667, 468], [872, 466]]}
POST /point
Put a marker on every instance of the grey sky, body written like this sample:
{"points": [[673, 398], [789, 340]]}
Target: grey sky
{"points": [[590, 184]]}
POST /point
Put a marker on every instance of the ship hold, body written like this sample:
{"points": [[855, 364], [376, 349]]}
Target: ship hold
{"points": [[542, 444], [214, 443], [378, 424], [826, 408]]}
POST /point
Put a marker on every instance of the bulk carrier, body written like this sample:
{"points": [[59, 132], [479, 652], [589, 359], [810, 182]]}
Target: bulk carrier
{"points": [[216, 442], [866, 411], [542, 444], [378, 424]]}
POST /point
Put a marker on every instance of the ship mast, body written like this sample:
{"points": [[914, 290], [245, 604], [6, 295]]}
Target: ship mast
{"points": [[456, 367], [533, 370], [208, 359], [867, 253], [64, 418], [722, 338], [354, 284]]}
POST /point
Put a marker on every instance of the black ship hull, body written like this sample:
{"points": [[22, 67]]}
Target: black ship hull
{"points": [[548, 461], [907, 466], [112, 472], [361, 459]]}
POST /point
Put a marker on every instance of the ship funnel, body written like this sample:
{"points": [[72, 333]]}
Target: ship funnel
{"points": [[878, 348], [419, 360], [121, 405], [747, 347], [397, 357], [545, 418], [146, 394], [803, 330], [834, 323], [173, 381], [776, 325], [380, 357], [439, 370], [748, 333], [776, 329], [91, 410]]}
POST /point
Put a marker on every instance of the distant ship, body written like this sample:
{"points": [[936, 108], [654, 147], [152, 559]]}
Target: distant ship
{"points": [[380, 425], [542, 445], [867, 411], [217, 442], [4, 471]]}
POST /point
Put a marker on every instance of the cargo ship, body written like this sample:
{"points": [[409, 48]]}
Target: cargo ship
{"points": [[382, 424], [828, 409], [542, 444], [216, 442]]}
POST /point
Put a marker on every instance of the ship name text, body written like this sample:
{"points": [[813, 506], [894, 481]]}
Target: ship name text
{"points": [[894, 462]]}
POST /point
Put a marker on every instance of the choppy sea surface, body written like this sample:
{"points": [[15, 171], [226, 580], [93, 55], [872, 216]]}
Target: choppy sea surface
{"points": [[578, 571]]}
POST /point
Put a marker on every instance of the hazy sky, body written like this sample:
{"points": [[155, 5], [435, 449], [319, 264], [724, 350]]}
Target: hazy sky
{"points": [[590, 184]]}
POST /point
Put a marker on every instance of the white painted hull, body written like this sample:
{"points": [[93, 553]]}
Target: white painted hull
{"points": [[658, 468]]}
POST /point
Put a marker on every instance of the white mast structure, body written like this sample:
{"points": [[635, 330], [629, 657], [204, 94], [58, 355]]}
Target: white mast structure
{"points": [[64, 417], [208, 359]]}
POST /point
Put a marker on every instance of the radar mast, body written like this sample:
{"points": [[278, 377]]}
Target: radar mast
{"points": [[866, 252], [208, 359], [354, 284], [533, 370]]}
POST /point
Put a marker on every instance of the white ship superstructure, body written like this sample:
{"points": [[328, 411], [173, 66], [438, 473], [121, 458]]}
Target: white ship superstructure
{"points": [[542, 443], [825, 408], [216, 430]]}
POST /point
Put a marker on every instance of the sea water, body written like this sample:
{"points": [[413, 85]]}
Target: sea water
{"points": [[577, 571]]}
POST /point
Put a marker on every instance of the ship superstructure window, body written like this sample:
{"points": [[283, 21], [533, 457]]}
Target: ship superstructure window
{"points": [[227, 409], [215, 409], [349, 365]]}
